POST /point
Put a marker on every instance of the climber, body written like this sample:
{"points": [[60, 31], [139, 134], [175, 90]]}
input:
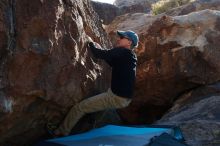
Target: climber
{"points": [[123, 61]]}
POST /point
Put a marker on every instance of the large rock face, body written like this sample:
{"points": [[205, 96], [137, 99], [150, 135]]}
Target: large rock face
{"points": [[45, 64], [176, 54], [197, 114]]}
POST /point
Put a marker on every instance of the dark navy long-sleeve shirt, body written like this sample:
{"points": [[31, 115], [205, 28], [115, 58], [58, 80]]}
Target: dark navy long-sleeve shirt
{"points": [[123, 62]]}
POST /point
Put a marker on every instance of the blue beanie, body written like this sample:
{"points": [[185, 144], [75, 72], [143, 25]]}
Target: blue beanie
{"points": [[130, 35]]}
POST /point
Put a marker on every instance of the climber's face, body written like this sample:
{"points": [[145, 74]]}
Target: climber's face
{"points": [[123, 42]]}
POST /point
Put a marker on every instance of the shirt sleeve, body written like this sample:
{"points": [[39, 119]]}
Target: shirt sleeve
{"points": [[110, 56]]}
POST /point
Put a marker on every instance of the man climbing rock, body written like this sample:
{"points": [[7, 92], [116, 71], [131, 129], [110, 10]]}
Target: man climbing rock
{"points": [[123, 61]]}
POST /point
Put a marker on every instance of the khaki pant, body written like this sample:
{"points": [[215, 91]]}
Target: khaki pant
{"points": [[106, 100]]}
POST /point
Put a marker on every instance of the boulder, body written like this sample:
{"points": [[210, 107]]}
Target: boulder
{"points": [[45, 64], [175, 55], [197, 114]]}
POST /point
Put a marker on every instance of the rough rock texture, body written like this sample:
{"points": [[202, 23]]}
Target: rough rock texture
{"points": [[108, 12], [197, 114], [45, 64], [176, 54], [198, 5]]}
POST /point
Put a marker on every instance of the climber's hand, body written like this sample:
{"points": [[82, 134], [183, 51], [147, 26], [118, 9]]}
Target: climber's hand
{"points": [[94, 45], [91, 44]]}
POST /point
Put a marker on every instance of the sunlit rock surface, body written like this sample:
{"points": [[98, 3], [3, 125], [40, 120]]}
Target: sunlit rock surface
{"points": [[45, 64]]}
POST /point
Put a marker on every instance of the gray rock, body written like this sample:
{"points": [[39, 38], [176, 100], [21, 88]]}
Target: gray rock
{"points": [[197, 114]]}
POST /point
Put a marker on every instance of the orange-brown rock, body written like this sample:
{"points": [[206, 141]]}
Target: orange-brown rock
{"points": [[176, 54], [45, 64]]}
